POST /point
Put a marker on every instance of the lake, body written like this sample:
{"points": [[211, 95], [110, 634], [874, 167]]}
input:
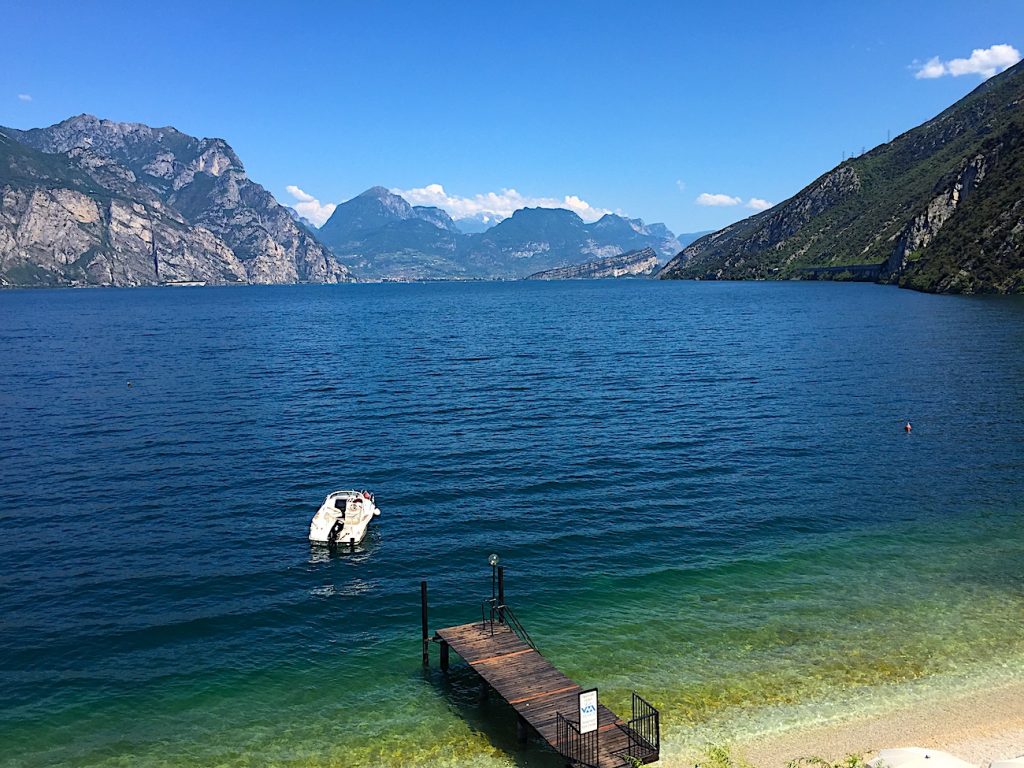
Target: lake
{"points": [[700, 491]]}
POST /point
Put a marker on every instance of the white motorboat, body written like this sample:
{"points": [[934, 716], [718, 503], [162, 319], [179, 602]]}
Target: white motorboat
{"points": [[343, 518]]}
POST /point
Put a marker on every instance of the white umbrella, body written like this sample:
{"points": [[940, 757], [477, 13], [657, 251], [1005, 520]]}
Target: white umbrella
{"points": [[915, 757], [1017, 762]]}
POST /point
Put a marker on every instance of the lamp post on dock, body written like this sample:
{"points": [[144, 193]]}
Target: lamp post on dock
{"points": [[493, 560]]}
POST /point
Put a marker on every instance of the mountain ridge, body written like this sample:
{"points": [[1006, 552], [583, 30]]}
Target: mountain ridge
{"points": [[380, 235], [940, 208]]}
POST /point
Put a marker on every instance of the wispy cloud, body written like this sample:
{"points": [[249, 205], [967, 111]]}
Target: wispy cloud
{"points": [[500, 204], [24, 97], [984, 62], [680, 185], [717, 200], [309, 206]]}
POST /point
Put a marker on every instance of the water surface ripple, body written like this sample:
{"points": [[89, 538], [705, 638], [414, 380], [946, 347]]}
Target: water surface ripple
{"points": [[702, 491]]}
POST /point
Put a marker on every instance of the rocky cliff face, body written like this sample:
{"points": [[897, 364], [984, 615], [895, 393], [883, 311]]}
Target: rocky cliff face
{"points": [[940, 208], [639, 263], [147, 206]]}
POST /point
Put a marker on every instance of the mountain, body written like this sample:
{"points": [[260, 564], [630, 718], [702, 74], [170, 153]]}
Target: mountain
{"points": [[379, 235], [625, 232], [538, 239], [371, 210], [97, 202], [59, 225], [641, 262], [529, 240], [412, 249], [940, 208]]}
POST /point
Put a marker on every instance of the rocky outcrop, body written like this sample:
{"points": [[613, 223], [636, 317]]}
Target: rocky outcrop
{"points": [[979, 246], [923, 228], [163, 207], [936, 209], [639, 263]]}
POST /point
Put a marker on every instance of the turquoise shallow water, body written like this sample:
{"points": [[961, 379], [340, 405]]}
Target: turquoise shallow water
{"points": [[701, 491]]}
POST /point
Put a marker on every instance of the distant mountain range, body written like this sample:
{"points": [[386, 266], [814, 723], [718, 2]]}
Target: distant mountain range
{"points": [[95, 202], [639, 263], [940, 208], [379, 235]]}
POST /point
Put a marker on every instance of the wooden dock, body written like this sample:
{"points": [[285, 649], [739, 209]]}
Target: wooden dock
{"points": [[546, 701]]}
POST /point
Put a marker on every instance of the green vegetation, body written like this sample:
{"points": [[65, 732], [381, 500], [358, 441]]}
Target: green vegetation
{"points": [[850, 761], [721, 757]]}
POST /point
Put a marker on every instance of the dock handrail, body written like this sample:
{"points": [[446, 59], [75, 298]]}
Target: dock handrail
{"points": [[643, 731], [508, 616], [490, 608], [487, 613], [579, 748]]}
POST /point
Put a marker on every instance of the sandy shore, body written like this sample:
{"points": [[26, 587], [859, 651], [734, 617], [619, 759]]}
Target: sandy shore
{"points": [[979, 727]]}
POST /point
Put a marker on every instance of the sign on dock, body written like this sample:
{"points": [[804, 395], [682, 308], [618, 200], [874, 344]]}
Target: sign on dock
{"points": [[588, 711]]}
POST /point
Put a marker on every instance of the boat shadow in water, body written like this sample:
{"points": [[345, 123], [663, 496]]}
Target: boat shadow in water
{"points": [[487, 714]]}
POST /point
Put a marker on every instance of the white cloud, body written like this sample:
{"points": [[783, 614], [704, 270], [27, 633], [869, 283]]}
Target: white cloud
{"points": [[680, 185], [931, 68], [759, 204], [24, 97], [495, 204], [984, 62], [717, 200], [309, 206]]}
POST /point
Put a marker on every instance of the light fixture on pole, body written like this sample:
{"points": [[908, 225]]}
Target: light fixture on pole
{"points": [[493, 562]]}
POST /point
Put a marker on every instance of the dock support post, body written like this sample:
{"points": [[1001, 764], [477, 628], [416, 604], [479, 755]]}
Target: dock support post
{"points": [[423, 618], [522, 729], [501, 594], [444, 656], [352, 545]]}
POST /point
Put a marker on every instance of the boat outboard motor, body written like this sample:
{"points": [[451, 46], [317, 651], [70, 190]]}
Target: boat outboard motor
{"points": [[335, 532]]}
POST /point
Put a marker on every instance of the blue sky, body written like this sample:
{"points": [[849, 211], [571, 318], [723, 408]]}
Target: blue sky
{"points": [[639, 108]]}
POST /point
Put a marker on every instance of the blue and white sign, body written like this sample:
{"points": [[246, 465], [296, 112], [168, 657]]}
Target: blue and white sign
{"points": [[588, 711]]}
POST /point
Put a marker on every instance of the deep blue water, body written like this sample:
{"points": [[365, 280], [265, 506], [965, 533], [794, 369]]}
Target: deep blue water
{"points": [[700, 490]]}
